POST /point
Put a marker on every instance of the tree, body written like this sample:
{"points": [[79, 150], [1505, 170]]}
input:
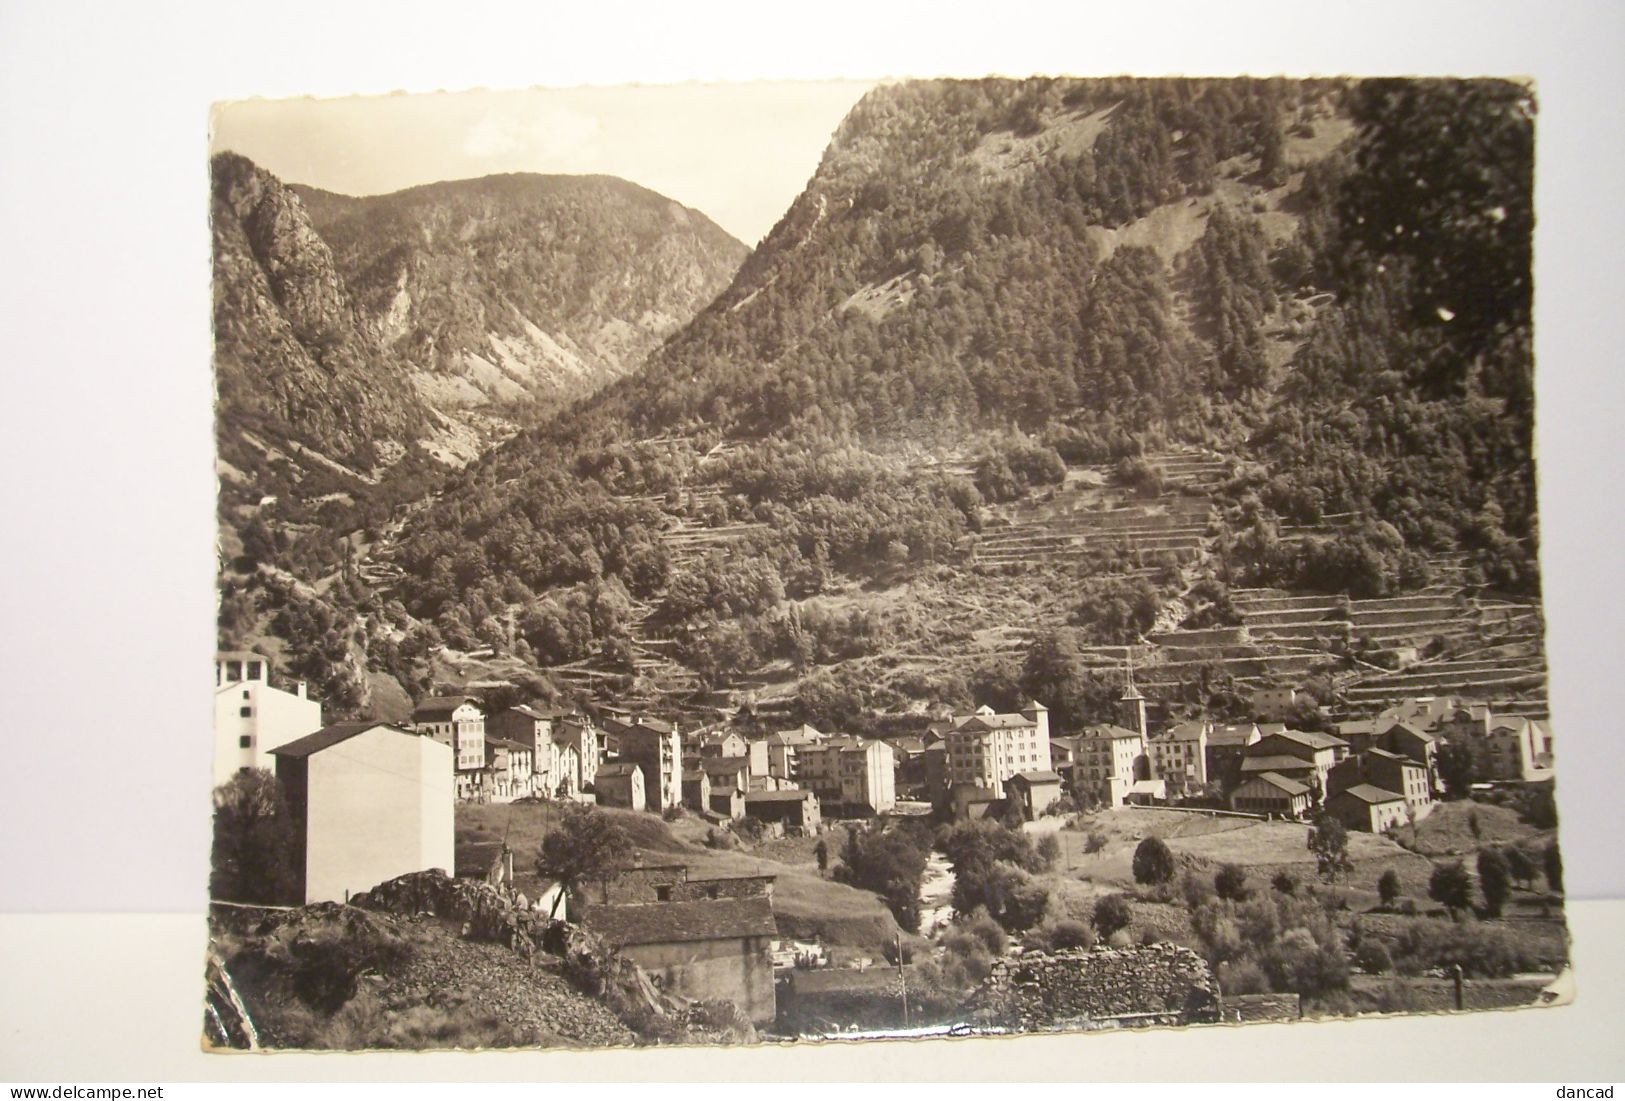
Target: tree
{"points": [[1388, 888], [1451, 887], [1231, 883], [1554, 868], [1153, 861], [1049, 850], [254, 858], [1112, 913], [890, 863], [821, 854], [1329, 841], [1494, 880], [1456, 770], [585, 843]]}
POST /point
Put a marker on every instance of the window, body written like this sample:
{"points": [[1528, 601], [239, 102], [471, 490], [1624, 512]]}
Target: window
{"points": [[246, 712], [245, 742], [253, 670], [246, 694], [663, 894], [234, 670]]}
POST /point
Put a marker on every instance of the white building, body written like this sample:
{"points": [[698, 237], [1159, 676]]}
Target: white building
{"points": [[985, 749], [458, 722], [857, 776], [251, 718], [370, 802]]}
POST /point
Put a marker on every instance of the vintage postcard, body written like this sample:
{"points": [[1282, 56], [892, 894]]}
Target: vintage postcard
{"points": [[790, 561]]}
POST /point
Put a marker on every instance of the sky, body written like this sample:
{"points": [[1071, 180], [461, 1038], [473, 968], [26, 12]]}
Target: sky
{"points": [[739, 153]]}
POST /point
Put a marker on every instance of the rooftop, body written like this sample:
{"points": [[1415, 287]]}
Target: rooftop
{"points": [[1370, 793], [332, 735], [1274, 762], [1039, 776], [681, 922], [1276, 780], [784, 795], [441, 705], [1108, 730]]}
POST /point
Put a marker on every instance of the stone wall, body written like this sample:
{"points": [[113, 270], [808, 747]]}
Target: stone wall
{"points": [[741, 886], [486, 913], [1158, 984]]}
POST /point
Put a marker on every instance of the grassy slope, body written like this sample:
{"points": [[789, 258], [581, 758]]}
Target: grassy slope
{"points": [[1265, 848], [805, 904]]}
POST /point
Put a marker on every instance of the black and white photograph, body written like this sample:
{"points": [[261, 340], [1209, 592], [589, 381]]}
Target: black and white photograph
{"points": [[761, 563]]}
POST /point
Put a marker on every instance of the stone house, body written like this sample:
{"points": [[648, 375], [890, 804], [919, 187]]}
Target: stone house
{"points": [[1319, 751], [793, 808], [654, 746], [712, 950], [696, 790], [620, 784], [1035, 791], [783, 747]]}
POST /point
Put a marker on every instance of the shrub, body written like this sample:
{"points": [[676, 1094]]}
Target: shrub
{"points": [[1482, 951], [1196, 890], [1373, 957], [982, 926], [1096, 842], [1231, 883], [1071, 933], [672, 813], [1049, 850], [1242, 977], [1450, 887], [1285, 882], [1494, 880], [1153, 861], [1112, 913], [1388, 888]]}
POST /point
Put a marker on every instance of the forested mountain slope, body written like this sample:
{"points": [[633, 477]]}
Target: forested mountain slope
{"points": [[365, 345], [1290, 318]]}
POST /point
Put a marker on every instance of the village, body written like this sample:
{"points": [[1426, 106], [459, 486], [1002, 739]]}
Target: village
{"points": [[462, 793]]}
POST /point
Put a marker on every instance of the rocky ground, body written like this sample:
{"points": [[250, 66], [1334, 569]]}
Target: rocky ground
{"points": [[529, 996]]}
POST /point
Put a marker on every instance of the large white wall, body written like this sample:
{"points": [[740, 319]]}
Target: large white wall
{"points": [[277, 718], [379, 805]]}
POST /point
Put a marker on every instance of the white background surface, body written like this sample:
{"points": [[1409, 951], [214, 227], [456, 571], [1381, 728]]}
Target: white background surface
{"points": [[106, 482]]}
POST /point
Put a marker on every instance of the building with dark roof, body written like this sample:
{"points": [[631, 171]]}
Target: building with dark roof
{"points": [[1367, 807], [793, 808], [701, 939], [369, 802], [458, 722], [620, 784], [657, 748], [1272, 794], [1035, 790]]}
